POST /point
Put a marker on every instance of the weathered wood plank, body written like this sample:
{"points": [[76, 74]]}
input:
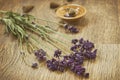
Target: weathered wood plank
{"points": [[100, 25]]}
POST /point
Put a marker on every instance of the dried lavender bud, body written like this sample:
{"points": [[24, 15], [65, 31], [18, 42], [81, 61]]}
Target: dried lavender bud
{"points": [[64, 63], [43, 53], [79, 55], [61, 66], [73, 48], [90, 55], [81, 41], [66, 57], [53, 65], [79, 61], [86, 75], [80, 71], [36, 53], [54, 5], [34, 65], [70, 28], [73, 30], [41, 58], [70, 62], [93, 55], [88, 45], [74, 41], [57, 53], [40, 54], [53, 60]]}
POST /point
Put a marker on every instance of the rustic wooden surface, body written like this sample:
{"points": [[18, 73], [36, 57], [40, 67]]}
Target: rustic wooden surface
{"points": [[100, 25]]}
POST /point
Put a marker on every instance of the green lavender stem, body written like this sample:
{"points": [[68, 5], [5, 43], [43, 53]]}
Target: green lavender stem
{"points": [[20, 26]]}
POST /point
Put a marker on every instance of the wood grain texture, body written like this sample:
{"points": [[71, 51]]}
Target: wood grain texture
{"points": [[100, 25]]}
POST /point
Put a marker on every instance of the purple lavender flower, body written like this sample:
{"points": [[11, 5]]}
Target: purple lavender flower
{"points": [[90, 55], [88, 45], [57, 53], [81, 41], [74, 41], [73, 29], [70, 28], [51, 64], [81, 50], [34, 65], [66, 57], [73, 48], [40, 54]]}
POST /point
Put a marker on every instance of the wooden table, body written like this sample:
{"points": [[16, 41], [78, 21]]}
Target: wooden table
{"points": [[100, 25]]}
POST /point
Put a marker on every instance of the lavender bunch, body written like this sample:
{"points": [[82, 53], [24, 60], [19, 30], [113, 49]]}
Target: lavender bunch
{"points": [[81, 50], [20, 26]]}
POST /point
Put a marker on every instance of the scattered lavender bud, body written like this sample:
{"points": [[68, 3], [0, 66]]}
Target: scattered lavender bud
{"points": [[57, 53], [34, 65], [66, 57], [73, 48], [81, 41], [40, 54], [74, 41], [70, 28], [86, 75], [43, 53], [88, 45], [73, 30]]}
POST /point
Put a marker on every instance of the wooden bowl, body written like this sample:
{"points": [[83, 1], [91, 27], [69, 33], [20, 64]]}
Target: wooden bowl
{"points": [[61, 11]]}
